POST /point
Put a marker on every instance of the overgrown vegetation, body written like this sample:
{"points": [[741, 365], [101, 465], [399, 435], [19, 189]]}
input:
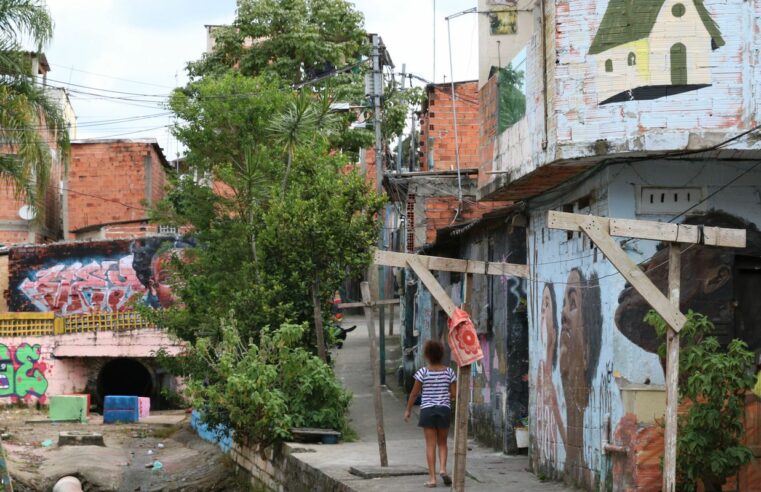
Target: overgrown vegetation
{"points": [[713, 381], [264, 389]]}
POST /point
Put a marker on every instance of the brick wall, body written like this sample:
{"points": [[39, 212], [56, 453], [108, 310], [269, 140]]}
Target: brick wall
{"points": [[440, 212], [16, 230], [488, 131], [437, 127], [107, 182]]}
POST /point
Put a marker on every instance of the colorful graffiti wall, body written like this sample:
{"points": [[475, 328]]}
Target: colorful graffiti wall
{"points": [[22, 373], [80, 278], [589, 346]]}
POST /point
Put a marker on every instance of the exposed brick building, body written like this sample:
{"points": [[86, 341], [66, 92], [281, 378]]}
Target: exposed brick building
{"points": [[437, 143], [110, 186], [16, 224]]}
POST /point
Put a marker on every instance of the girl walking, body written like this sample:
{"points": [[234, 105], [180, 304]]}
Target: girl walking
{"points": [[437, 383]]}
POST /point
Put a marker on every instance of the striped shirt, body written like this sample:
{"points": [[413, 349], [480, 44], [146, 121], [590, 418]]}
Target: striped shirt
{"points": [[435, 386]]}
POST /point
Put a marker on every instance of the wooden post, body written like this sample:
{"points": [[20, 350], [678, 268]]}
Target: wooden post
{"points": [[461, 428], [365, 287], [382, 349], [391, 321], [672, 375], [318, 328]]}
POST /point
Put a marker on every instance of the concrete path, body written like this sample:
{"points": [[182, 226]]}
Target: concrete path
{"points": [[487, 470]]}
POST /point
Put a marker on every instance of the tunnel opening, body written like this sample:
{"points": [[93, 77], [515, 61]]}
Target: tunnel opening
{"points": [[124, 377]]}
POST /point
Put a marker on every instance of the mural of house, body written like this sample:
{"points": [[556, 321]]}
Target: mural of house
{"points": [[653, 48]]}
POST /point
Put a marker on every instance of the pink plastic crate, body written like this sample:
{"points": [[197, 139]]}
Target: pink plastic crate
{"points": [[144, 406]]}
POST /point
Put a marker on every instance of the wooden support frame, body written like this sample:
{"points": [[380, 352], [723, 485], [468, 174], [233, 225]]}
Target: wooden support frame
{"points": [[422, 266], [392, 259], [600, 230]]}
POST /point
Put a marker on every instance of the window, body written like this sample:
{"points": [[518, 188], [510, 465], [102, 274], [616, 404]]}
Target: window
{"points": [[678, 9], [631, 60], [608, 65]]}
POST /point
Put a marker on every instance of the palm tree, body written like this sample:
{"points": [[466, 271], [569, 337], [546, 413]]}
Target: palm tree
{"points": [[293, 127], [30, 123]]}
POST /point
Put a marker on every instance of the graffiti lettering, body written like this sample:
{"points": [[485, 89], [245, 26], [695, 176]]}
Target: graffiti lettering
{"points": [[21, 372], [101, 277], [83, 288]]}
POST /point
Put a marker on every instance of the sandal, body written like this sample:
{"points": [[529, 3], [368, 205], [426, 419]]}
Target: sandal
{"points": [[446, 478], [430, 485]]}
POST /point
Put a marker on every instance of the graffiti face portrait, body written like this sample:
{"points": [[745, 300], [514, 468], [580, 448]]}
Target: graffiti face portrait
{"points": [[717, 282], [549, 329], [580, 338], [161, 277], [153, 266], [573, 356]]}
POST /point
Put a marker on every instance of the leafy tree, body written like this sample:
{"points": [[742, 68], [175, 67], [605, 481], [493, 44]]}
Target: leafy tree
{"points": [[294, 39], [713, 381], [512, 99], [321, 232], [28, 119], [229, 124]]}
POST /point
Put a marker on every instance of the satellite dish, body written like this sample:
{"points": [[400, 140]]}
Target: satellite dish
{"points": [[27, 212]]}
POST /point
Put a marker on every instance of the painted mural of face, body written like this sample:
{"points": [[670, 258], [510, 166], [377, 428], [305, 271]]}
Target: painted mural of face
{"points": [[549, 329], [161, 278], [573, 356]]}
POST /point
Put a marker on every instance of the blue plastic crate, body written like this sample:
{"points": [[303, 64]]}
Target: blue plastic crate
{"points": [[121, 409]]}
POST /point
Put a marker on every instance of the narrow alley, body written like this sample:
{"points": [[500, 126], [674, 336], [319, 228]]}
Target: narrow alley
{"points": [[487, 470]]}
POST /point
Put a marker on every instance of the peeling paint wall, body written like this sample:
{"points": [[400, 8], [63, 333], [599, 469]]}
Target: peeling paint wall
{"points": [[587, 340]]}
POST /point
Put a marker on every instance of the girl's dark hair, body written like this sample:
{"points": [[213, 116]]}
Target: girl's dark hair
{"points": [[433, 351]]}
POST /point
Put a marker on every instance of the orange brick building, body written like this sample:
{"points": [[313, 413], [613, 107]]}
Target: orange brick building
{"points": [[110, 187], [437, 143], [16, 224], [430, 197]]}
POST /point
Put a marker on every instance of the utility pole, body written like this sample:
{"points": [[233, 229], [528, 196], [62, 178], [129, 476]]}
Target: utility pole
{"points": [[377, 92], [399, 141]]}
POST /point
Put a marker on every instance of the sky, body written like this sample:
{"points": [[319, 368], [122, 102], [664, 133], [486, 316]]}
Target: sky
{"points": [[139, 49]]}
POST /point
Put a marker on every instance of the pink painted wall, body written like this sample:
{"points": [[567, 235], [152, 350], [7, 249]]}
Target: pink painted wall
{"points": [[33, 368]]}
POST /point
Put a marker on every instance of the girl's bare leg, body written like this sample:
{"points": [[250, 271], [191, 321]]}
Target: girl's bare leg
{"points": [[430, 452]]}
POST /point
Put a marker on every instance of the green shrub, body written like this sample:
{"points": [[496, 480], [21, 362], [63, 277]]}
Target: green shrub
{"points": [[714, 380], [261, 391]]}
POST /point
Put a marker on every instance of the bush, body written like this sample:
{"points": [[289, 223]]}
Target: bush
{"points": [[261, 391], [714, 381]]}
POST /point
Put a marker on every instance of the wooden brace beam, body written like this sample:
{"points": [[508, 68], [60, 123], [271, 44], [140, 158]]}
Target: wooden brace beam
{"points": [[433, 285], [383, 302], [595, 228], [392, 259], [656, 231]]}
